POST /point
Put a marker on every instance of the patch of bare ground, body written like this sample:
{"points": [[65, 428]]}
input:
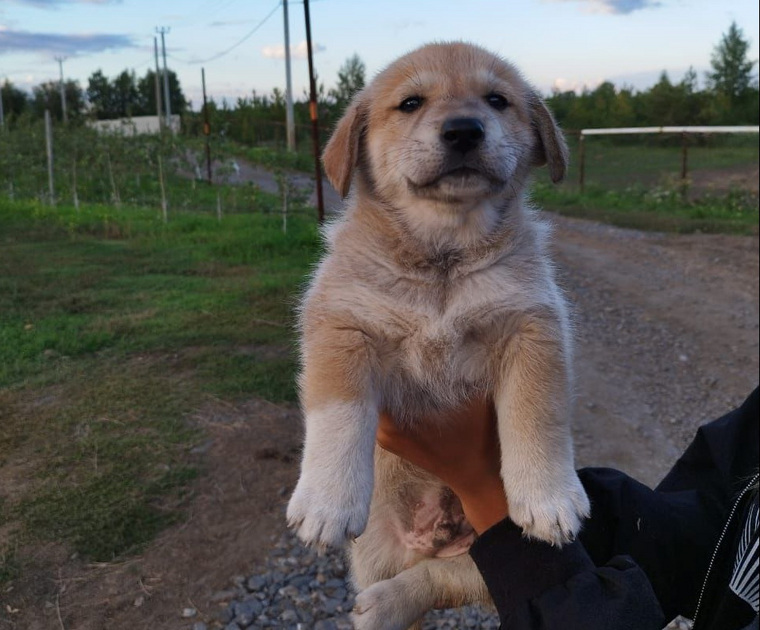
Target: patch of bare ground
{"points": [[711, 181], [248, 462]]}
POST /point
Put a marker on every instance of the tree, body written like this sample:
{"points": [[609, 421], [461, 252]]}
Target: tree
{"points": [[126, 96], [48, 96], [732, 70], [351, 79], [15, 101], [100, 96]]}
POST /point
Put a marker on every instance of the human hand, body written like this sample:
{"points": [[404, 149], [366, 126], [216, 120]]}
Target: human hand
{"points": [[461, 448]]}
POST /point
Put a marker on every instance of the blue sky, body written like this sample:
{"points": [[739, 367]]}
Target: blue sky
{"points": [[563, 43]]}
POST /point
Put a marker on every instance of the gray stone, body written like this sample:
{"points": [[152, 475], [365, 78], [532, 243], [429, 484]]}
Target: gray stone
{"points": [[256, 583], [246, 612], [289, 616]]}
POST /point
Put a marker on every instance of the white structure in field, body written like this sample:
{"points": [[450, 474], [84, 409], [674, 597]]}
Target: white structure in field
{"points": [[134, 126]]}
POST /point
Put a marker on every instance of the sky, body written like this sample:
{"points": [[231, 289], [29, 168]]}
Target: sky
{"points": [[565, 44]]}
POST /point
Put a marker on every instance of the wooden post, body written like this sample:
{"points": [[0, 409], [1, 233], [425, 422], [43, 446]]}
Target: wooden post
{"points": [[285, 205], [74, 181], [581, 162], [206, 126], [164, 203], [684, 165], [49, 147]]}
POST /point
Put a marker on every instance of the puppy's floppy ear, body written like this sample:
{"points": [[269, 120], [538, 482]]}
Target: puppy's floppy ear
{"points": [[551, 148], [342, 151]]}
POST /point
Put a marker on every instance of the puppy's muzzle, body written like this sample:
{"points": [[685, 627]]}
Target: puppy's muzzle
{"points": [[462, 134]]}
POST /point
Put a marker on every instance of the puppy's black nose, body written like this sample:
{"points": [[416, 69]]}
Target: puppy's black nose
{"points": [[463, 134]]}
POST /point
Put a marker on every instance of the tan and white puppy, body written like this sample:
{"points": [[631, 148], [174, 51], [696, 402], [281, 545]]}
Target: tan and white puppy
{"points": [[436, 287]]}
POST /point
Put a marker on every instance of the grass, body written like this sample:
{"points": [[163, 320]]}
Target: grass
{"points": [[113, 327], [657, 209]]}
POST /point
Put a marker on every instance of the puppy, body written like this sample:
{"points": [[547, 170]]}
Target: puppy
{"points": [[436, 288]]}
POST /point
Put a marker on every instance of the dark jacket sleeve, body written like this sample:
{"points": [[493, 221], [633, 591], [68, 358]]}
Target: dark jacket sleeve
{"points": [[641, 557], [536, 586]]}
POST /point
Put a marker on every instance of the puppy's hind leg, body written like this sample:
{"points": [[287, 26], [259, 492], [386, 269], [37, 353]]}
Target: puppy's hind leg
{"points": [[401, 601]]}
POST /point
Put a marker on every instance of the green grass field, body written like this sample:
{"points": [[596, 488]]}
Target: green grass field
{"points": [[113, 327]]}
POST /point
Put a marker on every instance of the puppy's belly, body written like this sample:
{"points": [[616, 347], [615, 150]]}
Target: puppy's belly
{"points": [[409, 400], [435, 526]]}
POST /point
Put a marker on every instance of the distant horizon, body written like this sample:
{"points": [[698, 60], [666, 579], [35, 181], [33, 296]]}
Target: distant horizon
{"points": [[567, 44]]}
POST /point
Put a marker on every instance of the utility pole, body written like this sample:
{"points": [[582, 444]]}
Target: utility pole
{"points": [[60, 61], [289, 118], [158, 84], [313, 115], [167, 103], [2, 115]]}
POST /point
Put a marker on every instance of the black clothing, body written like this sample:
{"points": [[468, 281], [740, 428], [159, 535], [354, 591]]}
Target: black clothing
{"points": [[642, 557]]}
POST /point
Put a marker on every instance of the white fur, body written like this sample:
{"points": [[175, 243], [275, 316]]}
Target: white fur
{"points": [[331, 501]]}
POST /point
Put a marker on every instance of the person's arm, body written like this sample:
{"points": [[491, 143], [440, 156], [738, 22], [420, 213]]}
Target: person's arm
{"points": [[539, 587], [671, 532], [533, 585]]}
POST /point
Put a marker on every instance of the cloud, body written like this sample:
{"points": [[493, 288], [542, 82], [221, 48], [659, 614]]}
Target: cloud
{"points": [[296, 52], [54, 4], [230, 22], [616, 7], [52, 44], [574, 85]]}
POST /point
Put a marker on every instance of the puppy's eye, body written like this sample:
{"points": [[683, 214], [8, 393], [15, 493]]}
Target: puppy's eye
{"points": [[497, 101], [411, 104]]}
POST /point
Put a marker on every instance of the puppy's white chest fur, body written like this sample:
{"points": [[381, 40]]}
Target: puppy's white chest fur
{"points": [[438, 336]]}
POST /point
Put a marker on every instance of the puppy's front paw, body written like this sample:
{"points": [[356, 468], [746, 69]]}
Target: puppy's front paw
{"points": [[328, 514], [554, 516]]}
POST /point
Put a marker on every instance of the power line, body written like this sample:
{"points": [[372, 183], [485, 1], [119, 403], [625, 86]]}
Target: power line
{"points": [[235, 45]]}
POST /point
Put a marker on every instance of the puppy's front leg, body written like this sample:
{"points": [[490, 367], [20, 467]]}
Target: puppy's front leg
{"points": [[545, 496], [330, 503]]}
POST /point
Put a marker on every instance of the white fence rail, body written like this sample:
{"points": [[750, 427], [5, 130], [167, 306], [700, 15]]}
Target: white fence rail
{"points": [[612, 131]]}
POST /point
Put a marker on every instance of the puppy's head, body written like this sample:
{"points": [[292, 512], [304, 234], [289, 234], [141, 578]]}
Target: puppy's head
{"points": [[447, 122]]}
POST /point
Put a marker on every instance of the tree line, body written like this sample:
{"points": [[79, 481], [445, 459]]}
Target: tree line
{"points": [[729, 97], [122, 96]]}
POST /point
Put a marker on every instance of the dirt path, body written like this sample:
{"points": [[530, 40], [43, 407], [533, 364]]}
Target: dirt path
{"points": [[667, 338]]}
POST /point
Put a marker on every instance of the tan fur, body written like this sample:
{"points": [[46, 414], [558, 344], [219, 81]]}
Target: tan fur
{"points": [[436, 287]]}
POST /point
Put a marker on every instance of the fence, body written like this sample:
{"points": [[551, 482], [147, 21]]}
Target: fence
{"points": [[697, 160]]}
